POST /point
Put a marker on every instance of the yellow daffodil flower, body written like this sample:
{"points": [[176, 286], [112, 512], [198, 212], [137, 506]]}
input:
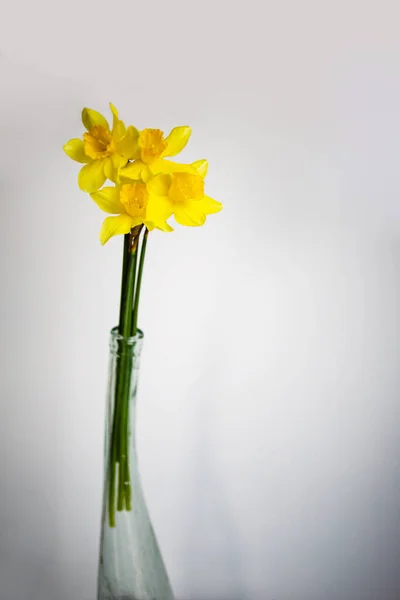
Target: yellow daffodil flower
{"points": [[133, 205], [103, 150], [182, 194], [151, 151]]}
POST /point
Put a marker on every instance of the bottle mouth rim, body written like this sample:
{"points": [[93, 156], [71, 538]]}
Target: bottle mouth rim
{"points": [[117, 337]]}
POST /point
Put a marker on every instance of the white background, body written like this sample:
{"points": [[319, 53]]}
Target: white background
{"points": [[268, 410]]}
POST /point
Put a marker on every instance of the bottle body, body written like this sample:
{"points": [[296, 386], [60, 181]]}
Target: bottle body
{"points": [[130, 565]]}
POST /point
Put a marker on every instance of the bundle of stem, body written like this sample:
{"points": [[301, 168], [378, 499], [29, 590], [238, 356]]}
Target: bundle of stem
{"points": [[119, 473]]}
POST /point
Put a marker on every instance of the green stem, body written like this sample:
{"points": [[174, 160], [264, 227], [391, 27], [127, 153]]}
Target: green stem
{"points": [[118, 448], [122, 311], [138, 284], [123, 388], [126, 314], [122, 308], [123, 472], [115, 433]]}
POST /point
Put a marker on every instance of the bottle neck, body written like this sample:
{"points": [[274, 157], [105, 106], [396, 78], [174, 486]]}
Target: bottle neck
{"points": [[126, 346]]}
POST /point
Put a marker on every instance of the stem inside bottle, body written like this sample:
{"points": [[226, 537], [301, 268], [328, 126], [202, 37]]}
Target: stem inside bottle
{"points": [[119, 493]]}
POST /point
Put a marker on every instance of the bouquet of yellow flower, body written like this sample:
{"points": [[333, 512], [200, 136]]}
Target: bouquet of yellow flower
{"points": [[147, 190]]}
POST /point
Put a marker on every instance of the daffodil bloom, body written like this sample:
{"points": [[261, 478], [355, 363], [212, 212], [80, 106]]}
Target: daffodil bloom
{"points": [[151, 151], [103, 150], [133, 205], [182, 194]]}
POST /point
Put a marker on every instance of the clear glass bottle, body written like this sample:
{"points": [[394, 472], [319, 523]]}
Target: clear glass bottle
{"points": [[130, 566]]}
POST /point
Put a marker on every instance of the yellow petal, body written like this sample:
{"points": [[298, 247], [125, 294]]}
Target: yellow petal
{"points": [[201, 167], [128, 146], [115, 226], [164, 227], [91, 117], [209, 205], [159, 208], [189, 214], [146, 174], [118, 161], [107, 199], [108, 167], [74, 149], [118, 129], [132, 171], [91, 177], [113, 110], [168, 166], [159, 185], [177, 140], [112, 165]]}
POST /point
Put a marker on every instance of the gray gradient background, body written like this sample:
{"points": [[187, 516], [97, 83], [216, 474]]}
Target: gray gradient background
{"points": [[268, 417]]}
